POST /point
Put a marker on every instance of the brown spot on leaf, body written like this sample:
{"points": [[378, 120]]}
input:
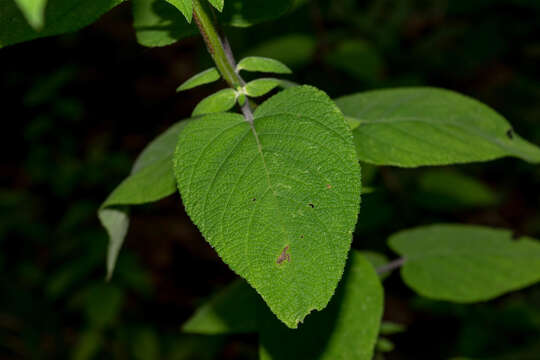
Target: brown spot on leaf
{"points": [[328, 186], [284, 256]]}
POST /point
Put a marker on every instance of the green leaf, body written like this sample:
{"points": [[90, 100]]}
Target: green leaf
{"points": [[158, 23], [376, 260], [185, 7], [202, 78], [261, 87], [33, 11], [231, 311], [88, 345], [151, 179], [277, 198], [262, 64], [221, 101], [295, 50], [449, 190], [412, 127], [347, 329], [218, 4], [390, 328], [244, 13], [358, 59], [61, 16], [464, 263]]}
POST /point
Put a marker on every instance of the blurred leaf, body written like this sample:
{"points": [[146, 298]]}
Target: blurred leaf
{"points": [[244, 13], [390, 328], [262, 64], [346, 329], [358, 59], [158, 23], [260, 87], [463, 263], [145, 345], [151, 179], [452, 190], [185, 7], [376, 260], [102, 304], [61, 16], [385, 345], [412, 127], [195, 347], [293, 49], [231, 311], [218, 4], [302, 228], [221, 101], [33, 11], [88, 345], [202, 78]]}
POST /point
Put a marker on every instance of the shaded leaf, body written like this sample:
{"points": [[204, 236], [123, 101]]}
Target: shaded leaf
{"points": [[218, 4], [295, 50], [412, 127], [231, 311], [221, 101], [257, 196], [358, 59], [376, 260], [202, 78], [261, 64], [244, 13], [61, 16], [158, 23], [463, 263], [347, 329], [151, 179], [185, 7]]}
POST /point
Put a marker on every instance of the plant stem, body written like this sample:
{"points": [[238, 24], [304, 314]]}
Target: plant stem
{"points": [[392, 265]]}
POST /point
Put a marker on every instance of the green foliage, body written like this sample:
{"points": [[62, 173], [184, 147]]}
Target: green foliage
{"points": [[221, 101], [269, 217], [202, 78], [412, 127], [295, 50], [261, 64], [151, 179], [218, 4], [185, 7], [261, 87], [353, 316], [33, 11], [61, 16], [464, 263]]}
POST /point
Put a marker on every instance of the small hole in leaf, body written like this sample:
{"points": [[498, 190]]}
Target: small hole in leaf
{"points": [[311, 205], [301, 236], [254, 199], [510, 134]]}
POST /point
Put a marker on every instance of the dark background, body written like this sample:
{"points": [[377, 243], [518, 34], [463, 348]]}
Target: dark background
{"points": [[77, 109]]}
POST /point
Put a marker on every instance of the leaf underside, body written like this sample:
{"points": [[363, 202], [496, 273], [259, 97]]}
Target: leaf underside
{"points": [[278, 199], [151, 179], [412, 127], [464, 263], [61, 16]]}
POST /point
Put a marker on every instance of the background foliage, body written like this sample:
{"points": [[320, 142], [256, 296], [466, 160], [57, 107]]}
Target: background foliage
{"points": [[78, 109]]}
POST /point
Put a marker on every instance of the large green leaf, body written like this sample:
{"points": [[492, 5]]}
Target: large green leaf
{"points": [[61, 16], [347, 329], [158, 23], [352, 317], [151, 179], [277, 198], [412, 127], [33, 11], [463, 263]]}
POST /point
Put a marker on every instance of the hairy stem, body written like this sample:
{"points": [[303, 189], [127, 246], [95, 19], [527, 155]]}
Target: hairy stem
{"points": [[220, 50]]}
